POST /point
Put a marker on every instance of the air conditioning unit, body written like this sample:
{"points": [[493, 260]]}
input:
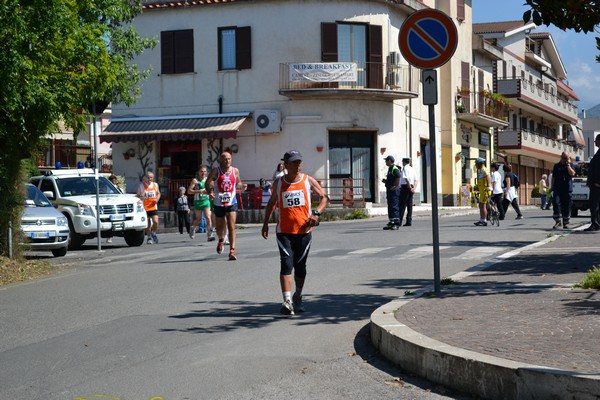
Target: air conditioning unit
{"points": [[267, 121], [394, 58], [393, 79]]}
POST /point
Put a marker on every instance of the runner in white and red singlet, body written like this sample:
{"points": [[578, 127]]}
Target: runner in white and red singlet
{"points": [[223, 183]]}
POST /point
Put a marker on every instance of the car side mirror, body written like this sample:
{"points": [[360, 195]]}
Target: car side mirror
{"points": [[49, 195]]}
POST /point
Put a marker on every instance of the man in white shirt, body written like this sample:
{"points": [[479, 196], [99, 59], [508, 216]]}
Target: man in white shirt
{"points": [[497, 192], [408, 186]]}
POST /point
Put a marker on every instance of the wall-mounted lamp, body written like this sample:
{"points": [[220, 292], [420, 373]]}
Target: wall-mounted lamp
{"points": [[129, 153], [234, 148]]}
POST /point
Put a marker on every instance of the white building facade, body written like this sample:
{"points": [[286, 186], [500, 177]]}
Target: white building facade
{"points": [[255, 77]]}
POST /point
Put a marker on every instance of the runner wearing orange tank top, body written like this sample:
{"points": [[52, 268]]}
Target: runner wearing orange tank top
{"points": [[292, 194], [149, 192]]}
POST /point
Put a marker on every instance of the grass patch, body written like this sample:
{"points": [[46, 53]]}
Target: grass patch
{"points": [[591, 280], [19, 270]]}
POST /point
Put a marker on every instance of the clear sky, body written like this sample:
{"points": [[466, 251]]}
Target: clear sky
{"points": [[577, 50]]}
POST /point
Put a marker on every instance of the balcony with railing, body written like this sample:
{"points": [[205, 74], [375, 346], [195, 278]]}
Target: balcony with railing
{"points": [[535, 98], [482, 108], [534, 143], [355, 80]]}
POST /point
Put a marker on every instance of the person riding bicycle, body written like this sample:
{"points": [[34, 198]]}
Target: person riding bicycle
{"points": [[484, 185]]}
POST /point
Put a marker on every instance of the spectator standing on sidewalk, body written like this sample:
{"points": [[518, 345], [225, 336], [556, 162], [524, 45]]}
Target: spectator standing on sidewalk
{"points": [[510, 192], [149, 193], [202, 203], [408, 186], [223, 183], [292, 195], [562, 188], [497, 192], [593, 182], [484, 185], [183, 211], [543, 189], [392, 186]]}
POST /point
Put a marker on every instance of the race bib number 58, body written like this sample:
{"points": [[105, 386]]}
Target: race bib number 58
{"points": [[294, 198]]}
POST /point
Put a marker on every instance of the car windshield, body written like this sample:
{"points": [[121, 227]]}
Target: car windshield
{"points": [[84, 185], [35, 198]]}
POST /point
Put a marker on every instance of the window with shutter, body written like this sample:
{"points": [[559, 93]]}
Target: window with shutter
{"points": [[234, 48], [360, 43], [177, 51]]}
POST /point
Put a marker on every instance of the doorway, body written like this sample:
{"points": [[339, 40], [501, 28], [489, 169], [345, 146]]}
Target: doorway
{"points": [[351, 156]]}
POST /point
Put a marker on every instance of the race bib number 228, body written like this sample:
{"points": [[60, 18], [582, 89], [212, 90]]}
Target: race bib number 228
{"points": [[293, 198]]}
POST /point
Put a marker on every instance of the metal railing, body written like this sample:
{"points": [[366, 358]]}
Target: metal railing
{"points": [[347, 192], [479, 103]]}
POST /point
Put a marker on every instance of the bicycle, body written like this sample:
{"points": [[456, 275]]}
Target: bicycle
{"points": [[493, 213]]}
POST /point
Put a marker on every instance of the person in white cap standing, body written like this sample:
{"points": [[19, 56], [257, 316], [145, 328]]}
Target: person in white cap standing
{"points": [[408, 186]]}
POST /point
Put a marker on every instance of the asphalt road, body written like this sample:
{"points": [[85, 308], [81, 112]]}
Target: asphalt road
{"points": [[177, 321]]}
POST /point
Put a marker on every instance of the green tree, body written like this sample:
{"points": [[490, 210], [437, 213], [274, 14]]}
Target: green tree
{"points": [[56, 58], [579, 15]]}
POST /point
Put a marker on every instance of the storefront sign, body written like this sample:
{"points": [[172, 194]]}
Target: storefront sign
{"points": [[324, 72], [528, 161]]}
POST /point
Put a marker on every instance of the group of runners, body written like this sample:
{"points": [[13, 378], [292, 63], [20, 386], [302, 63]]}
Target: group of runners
{"points": [[292, 196]]}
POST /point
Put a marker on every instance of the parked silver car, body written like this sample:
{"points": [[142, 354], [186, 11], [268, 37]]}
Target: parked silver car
{"points": [[45, 228]]}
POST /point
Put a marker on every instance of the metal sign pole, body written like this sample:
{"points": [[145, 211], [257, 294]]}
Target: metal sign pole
{"points": [[98, 230], [430, 99]]}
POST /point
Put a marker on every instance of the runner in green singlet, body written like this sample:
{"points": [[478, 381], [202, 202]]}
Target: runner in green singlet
{"points": [[202, 203]]}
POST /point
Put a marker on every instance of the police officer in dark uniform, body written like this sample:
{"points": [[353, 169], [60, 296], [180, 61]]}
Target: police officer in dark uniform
{"points": [[392, 186]]}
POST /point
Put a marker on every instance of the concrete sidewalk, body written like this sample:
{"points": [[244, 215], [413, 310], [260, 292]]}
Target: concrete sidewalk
{"points": [[511, 328]]}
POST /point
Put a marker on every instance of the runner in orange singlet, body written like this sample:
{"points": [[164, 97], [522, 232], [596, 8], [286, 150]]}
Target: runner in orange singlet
{"points": [[150, 195], [292, 194]]}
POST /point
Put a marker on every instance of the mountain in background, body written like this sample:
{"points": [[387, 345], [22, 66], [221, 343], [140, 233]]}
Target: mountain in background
{"points": [[593, 112]]}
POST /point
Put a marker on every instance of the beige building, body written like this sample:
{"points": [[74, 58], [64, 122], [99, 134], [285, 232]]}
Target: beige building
{"points": [[542, 116]]}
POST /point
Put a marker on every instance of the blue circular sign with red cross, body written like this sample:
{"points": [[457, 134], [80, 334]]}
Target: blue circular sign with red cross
{"points": [[428, 38]]}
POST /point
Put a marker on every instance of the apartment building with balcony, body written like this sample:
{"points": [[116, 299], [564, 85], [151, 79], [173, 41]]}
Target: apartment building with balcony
{"points": [[261, 77], [542, 118]]}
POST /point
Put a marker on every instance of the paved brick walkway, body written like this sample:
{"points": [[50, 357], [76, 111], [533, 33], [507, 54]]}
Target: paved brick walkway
{"points": [[523, 309]]}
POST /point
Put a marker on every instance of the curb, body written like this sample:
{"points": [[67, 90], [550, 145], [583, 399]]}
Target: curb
{"points": [[470, 372]]}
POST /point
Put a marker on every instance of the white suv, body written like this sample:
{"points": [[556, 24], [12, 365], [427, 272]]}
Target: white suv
{"points": [[73, 193]]}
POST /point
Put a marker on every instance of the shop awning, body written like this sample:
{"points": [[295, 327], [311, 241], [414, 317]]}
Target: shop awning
{"points": [[173, 128], [577, 135]]}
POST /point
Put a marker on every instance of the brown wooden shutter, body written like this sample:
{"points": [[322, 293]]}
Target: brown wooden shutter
{"points": [[329, 52], [243, 48], [375, 57], [465, 83], [460, 10], [166, 53], [184, 51]]}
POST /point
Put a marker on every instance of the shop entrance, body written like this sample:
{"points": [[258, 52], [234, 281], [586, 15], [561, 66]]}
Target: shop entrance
{"points": [[351, 156], [178, 164]]}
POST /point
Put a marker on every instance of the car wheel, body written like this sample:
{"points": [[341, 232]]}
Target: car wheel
{"points": [[60, 252], [134, 238], [75, 239]]}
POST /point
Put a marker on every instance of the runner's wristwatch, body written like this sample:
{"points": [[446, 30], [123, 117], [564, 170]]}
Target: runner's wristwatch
{"points": [[316, 212]]}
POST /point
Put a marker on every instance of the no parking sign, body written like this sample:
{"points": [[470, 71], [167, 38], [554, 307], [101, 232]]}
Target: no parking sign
{"points": [[428, 38]]}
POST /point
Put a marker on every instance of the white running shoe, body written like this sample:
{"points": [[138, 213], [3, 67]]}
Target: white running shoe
{"points": [[287, 308]]}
